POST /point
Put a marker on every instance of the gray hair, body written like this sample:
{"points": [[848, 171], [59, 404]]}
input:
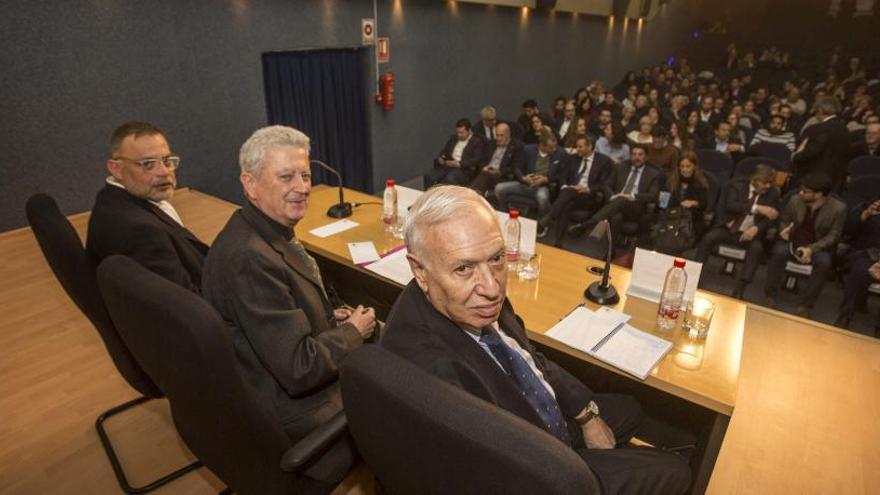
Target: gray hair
{"points": [[253, 151], [828, 105], [488, 110], [437, 205]]}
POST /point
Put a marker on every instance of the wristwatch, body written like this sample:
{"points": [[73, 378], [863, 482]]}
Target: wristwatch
{"points": [[592, 412]]}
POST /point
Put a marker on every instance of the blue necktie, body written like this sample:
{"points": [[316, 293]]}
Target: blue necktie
{"points": [[529, 384]]}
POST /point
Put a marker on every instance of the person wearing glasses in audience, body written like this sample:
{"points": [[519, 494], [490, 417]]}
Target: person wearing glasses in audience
{"points": [[132, 213]]}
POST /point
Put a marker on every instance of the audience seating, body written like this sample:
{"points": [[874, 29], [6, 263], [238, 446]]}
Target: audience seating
{"points": [[776, 151], [716, 162], [863, 166], [182, 343], [862, 189], [421, 435], [75, 270]]}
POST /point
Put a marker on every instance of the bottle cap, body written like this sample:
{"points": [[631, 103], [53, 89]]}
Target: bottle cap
{"points": [[514, 213], [389, 182], [678, 263]]}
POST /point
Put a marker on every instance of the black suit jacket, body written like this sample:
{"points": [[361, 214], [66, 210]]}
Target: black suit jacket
{"points": [[279, 321], [471, 156], [827, 150], [557, 164], [648, 189], [124, 224], [420, 334], [734, 203], [600, 171], [512, 160]]}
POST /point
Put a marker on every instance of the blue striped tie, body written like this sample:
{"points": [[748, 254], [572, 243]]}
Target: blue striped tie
{"points": [[528, 383]]}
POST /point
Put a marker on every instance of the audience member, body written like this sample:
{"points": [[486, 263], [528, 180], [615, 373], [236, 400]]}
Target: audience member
{"points": [[287, 336], [530, 108], [505, 156], [485, 128], [688, 188], [457, 161], [613, 143], [825, 147], [643, 135], [538, 177], [862, 263], [661, 152], [570, 139], [774, 134], [535, 130], [132, 214], [455, 322], [870, 145], [809, 228], [566, 127], [746, 210]]}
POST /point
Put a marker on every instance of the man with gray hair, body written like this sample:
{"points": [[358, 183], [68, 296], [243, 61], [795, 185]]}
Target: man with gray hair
{"points": [[455, 322], [826, 145], [287, 336]]}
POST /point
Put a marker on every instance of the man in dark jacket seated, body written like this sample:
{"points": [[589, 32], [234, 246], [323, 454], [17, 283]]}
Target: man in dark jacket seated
{"points": [[455, 322], [457, 161], [132, 214], [862, 265]]}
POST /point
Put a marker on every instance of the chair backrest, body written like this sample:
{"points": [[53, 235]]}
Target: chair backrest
{"points": [[421, 435], [862, 189], [746, 166], [776, 151], [75, 270], [862, 166], [714, 190], [716, 162], [183, 344]]}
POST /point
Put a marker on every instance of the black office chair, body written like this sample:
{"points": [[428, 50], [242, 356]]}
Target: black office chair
{"points": [[421, 435], [862, 189], [75, 271], [182, 343], [863, 166], [775, 151]]}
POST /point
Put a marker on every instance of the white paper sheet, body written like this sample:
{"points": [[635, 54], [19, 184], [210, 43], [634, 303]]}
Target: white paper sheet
{"points": [[633, 351], [583, 329], [333, 228], [406, 196], [649, 272], [363, 252], [394, 267], [528, 233]]}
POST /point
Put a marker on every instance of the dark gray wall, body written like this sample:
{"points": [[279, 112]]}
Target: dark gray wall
{"points": [[71, 71]]}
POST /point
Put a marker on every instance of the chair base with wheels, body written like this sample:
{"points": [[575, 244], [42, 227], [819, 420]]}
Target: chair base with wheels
{"points": [[114, 459]]}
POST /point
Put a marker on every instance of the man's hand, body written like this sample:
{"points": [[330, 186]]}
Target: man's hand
{"points": [[453, 163], [690, 203], [871, 210], [874, 271], [441, 160], [733, 147], [806, 255], [581, 189], [786, 232], [749, 234], [539, 180], [491, 171], [364, 320], [341, 314], [767, 211], [597, 434]]}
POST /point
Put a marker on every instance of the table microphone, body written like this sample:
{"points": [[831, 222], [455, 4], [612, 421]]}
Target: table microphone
{"points": [[342, 209], [603, 292]]}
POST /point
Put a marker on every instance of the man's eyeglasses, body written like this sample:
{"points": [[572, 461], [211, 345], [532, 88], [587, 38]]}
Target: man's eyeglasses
{"points": [[171, 162]]}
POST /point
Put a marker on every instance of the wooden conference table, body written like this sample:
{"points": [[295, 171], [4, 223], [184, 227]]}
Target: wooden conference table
{"points": [[801, 398]]}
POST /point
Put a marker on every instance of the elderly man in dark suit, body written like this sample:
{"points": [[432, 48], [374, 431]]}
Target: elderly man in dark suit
{"points": [[632, 185], [269, 291], [457, 161], [809, 229], [826, 145], [505, 156], [132, 215], [746, 210], [455, 322], [582, 187]]}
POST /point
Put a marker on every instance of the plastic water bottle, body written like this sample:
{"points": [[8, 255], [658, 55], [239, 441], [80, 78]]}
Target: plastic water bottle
{"points": [[672, 296], [511, 239], [389, 207]]}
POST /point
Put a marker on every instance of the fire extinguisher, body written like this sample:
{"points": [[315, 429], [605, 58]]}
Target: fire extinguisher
{"points": [[386, 93]]}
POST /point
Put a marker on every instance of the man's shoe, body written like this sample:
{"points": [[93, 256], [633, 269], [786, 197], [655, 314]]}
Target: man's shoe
{"points": [[578, 229], [843, 320], [543, 231], [802, 311], [738, 291]]}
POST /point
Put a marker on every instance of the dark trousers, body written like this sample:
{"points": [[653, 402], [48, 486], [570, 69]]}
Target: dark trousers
{"points": [[821, 262], [441, 174], [618, 211], [570, 200], [856, 281], [485, 181], [631, 469], [722, 235]]}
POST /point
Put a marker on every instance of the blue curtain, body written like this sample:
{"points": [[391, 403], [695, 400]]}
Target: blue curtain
{"points": [[321, 92]]}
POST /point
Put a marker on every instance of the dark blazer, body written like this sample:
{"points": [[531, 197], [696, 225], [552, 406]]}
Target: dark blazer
{"points": [[420, 334], [470, 156], [649, 183], [829, 221], [734, 203], [512, 160], [827, 150], [600, 171], [279, 321], [124, 224], [557, 163]]}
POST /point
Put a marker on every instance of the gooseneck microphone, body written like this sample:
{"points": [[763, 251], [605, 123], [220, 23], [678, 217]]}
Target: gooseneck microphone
{"points": [[341, 209], [603, 292]]}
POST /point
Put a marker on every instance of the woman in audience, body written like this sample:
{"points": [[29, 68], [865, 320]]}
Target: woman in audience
{"points": [[570, 142], [585, 109], [675, 136], [536, 127], [643, 135], [628, 119], [689, 188], [613, 144], [558, 107]]}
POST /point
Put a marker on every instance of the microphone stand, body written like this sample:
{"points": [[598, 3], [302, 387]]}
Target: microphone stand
{"points": [[603, 293], [341, 209]]}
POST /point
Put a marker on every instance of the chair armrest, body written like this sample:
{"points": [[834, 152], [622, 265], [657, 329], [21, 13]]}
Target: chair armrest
{"points": [[314, 443]]}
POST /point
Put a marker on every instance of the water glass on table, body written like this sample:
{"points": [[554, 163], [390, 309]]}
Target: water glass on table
{"points": [[529, 266], [698, 317]]}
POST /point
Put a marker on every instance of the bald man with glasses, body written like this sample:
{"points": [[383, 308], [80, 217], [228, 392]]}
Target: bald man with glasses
{"points": [[132, 214]]}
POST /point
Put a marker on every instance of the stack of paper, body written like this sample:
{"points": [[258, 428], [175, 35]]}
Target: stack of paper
{"points": [[393, 266], [605, 335]]}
